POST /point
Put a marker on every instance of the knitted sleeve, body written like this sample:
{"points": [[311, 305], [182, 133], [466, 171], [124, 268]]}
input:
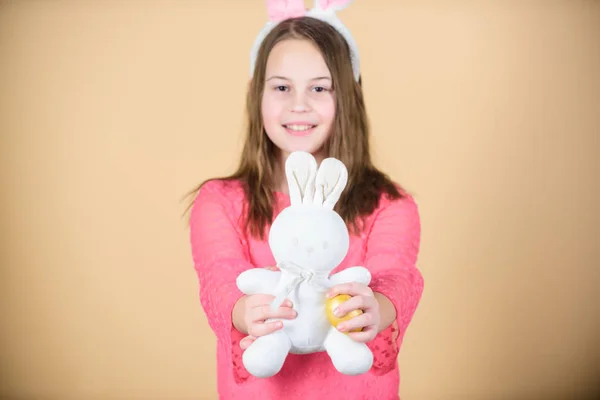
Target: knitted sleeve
{"points": [[392, 249], [219, 257]]}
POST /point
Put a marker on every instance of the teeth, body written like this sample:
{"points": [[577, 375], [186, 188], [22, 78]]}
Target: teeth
{"points": [[299, 128]]}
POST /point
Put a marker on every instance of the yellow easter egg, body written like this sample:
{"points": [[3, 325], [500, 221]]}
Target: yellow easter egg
{"points": [[334, 302]]}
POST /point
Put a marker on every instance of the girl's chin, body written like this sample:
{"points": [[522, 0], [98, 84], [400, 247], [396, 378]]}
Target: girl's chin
{"points": [[309, 148]]}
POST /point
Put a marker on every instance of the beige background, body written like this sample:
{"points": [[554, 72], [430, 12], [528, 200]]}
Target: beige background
{"points": [[110, 111]]}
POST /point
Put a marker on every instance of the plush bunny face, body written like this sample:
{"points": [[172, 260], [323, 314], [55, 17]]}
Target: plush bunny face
{"points": [[309, 233], [310, 236]]}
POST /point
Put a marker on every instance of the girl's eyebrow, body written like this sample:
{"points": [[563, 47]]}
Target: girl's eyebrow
{"points": [[318, 78]]}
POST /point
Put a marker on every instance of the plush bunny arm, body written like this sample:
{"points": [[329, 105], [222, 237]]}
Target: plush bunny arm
{"points": [[258, 280], [392, 249], [219, 258], [351, 274]]}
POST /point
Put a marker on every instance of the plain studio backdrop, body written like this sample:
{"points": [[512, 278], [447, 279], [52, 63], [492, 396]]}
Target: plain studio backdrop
{"points": [[488, 112]]}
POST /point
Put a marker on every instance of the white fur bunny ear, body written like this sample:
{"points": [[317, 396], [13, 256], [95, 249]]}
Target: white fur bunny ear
{"points": [[334, 5], [326, 10], [330, 182], [301, 171]]}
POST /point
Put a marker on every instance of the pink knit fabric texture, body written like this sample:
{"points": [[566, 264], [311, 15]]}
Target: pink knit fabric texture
{"points": [[388, 247]]}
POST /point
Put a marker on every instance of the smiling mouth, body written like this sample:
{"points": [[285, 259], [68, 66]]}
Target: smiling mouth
{"points": [[299, 130]]}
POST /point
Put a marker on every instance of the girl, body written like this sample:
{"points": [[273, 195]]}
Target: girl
{"points": [[305, 94]]}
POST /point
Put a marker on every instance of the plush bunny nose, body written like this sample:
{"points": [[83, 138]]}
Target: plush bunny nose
{"points": [[310, 249]]}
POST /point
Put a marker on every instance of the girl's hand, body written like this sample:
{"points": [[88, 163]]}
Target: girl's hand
{"points": [[362, 299], [257, 309]]}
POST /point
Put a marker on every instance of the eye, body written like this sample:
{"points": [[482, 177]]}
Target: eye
{"points": [[320, 89], [295, 241], [281, 88]]}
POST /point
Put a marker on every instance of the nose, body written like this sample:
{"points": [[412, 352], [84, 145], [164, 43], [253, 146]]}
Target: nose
{"points": [[310, 249], [300, 103]]}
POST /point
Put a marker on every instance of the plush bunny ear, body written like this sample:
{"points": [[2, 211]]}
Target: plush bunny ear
{"points": [[330, 182], [335, 5], [301, 171], [282, 9]]}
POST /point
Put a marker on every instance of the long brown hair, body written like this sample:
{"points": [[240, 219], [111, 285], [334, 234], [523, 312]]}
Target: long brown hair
{"points": [[349, 142]]}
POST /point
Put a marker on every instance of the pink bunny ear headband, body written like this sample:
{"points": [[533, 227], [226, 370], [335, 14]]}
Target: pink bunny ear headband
{"points": [[324, 10]]}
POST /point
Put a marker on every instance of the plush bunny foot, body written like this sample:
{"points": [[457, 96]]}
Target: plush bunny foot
{"points": [[265, 357], [348, 357]]}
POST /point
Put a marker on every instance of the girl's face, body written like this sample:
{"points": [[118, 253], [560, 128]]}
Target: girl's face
{"points": [[298, 104]]}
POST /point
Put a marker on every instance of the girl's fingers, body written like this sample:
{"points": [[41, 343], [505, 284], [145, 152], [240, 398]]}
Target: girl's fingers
{"points": [[246, 342], [258, 326], [351, 288], [364, 336], [265, 312], [365, 320], [262, 329], [364, 303]]}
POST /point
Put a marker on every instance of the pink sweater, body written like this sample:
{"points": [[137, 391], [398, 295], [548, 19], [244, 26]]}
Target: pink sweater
{"points": [[388, 248]]}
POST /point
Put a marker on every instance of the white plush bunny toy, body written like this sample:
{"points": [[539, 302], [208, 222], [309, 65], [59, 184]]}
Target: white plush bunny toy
{"points": [[308, 240]]}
